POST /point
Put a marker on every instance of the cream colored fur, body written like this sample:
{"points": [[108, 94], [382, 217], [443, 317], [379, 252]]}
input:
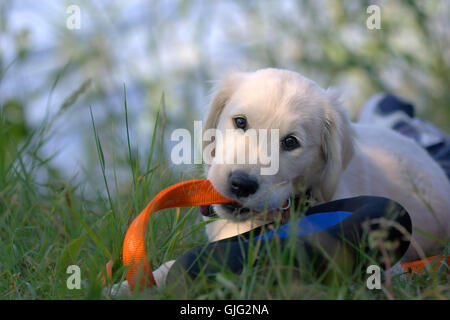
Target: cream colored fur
{"points": [[337, 159]]}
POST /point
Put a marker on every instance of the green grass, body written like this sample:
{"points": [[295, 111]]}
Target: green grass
{"points": [[49, 224]]}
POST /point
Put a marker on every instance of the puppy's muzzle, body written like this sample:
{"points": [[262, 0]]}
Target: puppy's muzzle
{"points": [[242, 184]]}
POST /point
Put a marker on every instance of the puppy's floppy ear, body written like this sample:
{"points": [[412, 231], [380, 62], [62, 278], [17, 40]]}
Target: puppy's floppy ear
{"points": [[221, 95], [336, 145]]}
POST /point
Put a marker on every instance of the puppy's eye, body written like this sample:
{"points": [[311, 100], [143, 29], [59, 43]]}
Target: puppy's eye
{"points": [[240, 123], [290, 143]]}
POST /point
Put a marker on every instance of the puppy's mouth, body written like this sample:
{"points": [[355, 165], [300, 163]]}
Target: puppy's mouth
{"points": [[238, 212], [236, 208], [235, 211]]}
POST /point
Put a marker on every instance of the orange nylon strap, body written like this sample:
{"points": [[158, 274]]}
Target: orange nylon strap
{"points": [[184, 194], [417, 266]]}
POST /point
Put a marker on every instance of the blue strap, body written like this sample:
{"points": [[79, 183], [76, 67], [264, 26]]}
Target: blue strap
{"points": [[309, 224]]}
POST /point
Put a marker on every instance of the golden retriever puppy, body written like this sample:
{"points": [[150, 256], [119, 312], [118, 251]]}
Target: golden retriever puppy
{"points": [[312, 145], [318, 149]]}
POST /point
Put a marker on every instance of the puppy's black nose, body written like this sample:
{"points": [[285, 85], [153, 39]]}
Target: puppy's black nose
{"points": [[242, 184]]}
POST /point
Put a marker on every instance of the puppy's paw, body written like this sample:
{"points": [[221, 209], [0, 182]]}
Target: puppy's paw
{"points": [[123, 289], [160, 274], [117, 290]]}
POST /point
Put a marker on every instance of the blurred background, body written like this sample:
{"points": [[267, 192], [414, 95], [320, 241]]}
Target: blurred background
{"points": [[165, 56]]}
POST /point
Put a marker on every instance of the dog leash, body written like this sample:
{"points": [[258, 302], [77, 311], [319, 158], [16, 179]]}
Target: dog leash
{"points": [[184, 194], [197, 193]]}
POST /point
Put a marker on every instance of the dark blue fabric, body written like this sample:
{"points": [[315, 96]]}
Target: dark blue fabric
{"points": [[307, 225], [391, 103], [440, 151]]}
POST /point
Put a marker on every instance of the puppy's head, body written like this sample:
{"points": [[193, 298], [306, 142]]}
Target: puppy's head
{"points": [[304, 130]]}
